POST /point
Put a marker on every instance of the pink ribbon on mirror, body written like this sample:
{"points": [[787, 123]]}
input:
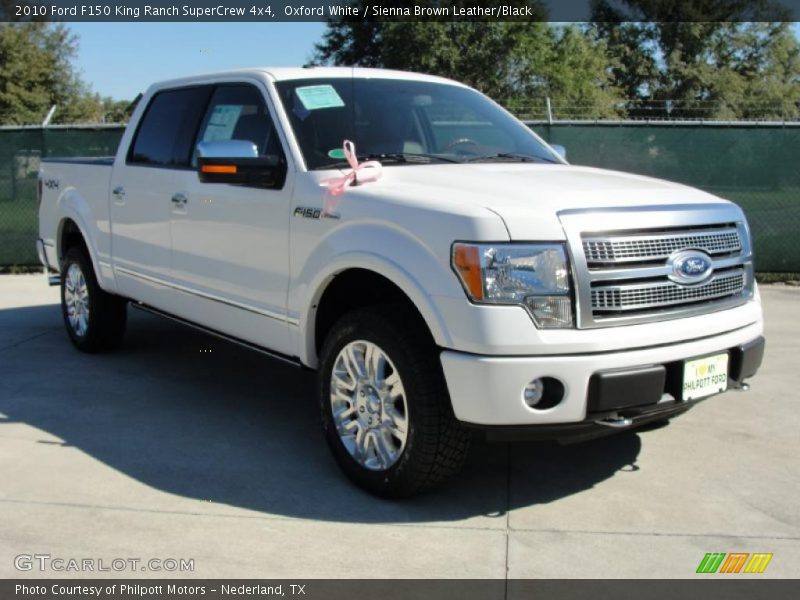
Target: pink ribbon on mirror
{"points": [[364, 172]]}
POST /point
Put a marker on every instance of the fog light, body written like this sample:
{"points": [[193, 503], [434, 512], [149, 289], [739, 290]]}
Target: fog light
{"points": [[550, 311], [533, 392], [543, 393]]}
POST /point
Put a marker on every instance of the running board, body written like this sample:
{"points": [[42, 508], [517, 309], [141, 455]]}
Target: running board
{"points": [[249, 345]]}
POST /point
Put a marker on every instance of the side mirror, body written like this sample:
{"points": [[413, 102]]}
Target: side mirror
{"points": [[560, 150], [238, 162]]}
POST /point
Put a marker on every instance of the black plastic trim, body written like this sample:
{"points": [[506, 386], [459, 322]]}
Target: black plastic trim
{"points": [[567, 433], [625, 388], [746, 359]]}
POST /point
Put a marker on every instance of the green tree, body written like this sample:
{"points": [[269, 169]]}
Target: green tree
{"points": [[578, 76], [36, 72], [494, 57], [519, 63], [115, 111], [702, 68]]}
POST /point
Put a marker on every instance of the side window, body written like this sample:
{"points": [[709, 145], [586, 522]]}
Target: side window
{"points": [[166, 133], [238, 112]]}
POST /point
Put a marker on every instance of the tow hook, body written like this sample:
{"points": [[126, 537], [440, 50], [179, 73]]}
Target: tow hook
{"points": [[616, 422]]}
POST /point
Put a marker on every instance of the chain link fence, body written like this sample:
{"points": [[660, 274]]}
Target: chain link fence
{"points": [[21, 150], [753, 164]]}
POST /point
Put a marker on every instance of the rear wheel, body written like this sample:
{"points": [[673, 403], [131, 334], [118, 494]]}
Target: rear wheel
{"points": [[384, 403], [95, 320]]}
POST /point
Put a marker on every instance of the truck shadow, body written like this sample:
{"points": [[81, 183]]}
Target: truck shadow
{"points": [[188, 414]]}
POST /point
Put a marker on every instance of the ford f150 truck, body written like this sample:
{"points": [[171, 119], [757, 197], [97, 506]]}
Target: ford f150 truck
{"points": [[465, 277]]}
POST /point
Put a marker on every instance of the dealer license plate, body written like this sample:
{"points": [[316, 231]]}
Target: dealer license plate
{"points": [[705, 376]]}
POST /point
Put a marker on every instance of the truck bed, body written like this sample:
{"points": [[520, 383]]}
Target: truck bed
{"points": [[80, 187]]}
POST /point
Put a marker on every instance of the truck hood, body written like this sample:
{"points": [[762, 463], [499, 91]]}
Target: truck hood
{"points": [[528, 196]]}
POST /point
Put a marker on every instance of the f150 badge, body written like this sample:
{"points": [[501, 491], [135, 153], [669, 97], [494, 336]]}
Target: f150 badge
{"points": [[50, 184], [312, 213]]}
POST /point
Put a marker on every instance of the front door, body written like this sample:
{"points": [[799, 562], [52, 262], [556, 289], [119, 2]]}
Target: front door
{"points": [[230, 242]]}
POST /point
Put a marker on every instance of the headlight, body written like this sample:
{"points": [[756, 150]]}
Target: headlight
{"points": [[535, 276]]}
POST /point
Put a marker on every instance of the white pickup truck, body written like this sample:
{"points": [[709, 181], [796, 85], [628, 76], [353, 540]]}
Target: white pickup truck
{"points": [[472, 279]]}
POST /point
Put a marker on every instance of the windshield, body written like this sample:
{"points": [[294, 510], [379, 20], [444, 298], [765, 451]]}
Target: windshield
{"points": [[403, 122]]}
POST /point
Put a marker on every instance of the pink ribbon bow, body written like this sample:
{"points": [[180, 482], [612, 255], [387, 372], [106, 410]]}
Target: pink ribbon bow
{"points": [[360, 173]]}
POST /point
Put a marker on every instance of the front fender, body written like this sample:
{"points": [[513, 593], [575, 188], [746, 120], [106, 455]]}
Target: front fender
{"points": [[394, 254]]}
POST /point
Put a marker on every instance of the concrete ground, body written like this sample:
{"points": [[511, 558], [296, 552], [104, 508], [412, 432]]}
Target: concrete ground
{"points": [[183, 446]]}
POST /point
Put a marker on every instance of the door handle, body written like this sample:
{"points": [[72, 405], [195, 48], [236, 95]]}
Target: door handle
{"points": [[118, 192], [179, 199]]}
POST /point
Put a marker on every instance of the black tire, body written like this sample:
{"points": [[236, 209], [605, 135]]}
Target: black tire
{"points": [[108, 314], [436, 444]]}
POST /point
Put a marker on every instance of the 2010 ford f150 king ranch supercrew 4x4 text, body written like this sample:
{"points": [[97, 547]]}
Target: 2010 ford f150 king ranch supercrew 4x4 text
{"points": [[440, 266]]}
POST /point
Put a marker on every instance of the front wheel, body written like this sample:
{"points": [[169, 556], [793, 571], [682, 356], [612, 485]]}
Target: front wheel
{"points": [[95, 320], [384, 403]]}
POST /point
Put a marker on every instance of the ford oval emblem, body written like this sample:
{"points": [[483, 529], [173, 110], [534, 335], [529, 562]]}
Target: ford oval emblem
{"points": [[690, 266]]}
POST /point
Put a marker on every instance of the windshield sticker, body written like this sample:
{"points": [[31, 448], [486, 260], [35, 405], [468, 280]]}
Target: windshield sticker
{"points": [[336, 153], [315, 97]]}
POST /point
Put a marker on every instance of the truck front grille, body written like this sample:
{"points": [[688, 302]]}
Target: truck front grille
{"points": [[642, 248], [616, 298], [626, 273]]}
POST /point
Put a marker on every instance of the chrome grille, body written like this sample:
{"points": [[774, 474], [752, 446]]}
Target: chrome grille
{"points": [[642, 297], [622, 262], [644, 248]]}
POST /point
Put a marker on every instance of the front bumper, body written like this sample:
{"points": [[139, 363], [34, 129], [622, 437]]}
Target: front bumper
{"points": [[488, 390]]}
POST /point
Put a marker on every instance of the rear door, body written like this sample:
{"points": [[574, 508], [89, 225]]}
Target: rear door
{"points": [[142, 187]]}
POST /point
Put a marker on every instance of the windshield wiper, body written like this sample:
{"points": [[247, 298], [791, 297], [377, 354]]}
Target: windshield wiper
{"points": [[412, 155], [518, 156], [393, 157]]}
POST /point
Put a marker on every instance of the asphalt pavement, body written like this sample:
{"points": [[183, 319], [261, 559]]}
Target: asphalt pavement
{"points": [[182, 446]]}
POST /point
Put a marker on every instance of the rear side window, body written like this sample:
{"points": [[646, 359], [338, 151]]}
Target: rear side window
{"points": [[167, 130]]}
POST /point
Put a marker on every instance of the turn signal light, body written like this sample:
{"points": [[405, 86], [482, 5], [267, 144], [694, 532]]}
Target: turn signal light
{"points": [[231, 169], [467, 262]]}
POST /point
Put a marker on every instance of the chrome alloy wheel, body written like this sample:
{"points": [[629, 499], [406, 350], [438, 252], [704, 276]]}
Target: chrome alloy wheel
{"points": [[76, 298], [369, 405]]}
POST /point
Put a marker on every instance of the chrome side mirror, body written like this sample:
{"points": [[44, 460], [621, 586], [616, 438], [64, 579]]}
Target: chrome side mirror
{"points": [[227, 149]]}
